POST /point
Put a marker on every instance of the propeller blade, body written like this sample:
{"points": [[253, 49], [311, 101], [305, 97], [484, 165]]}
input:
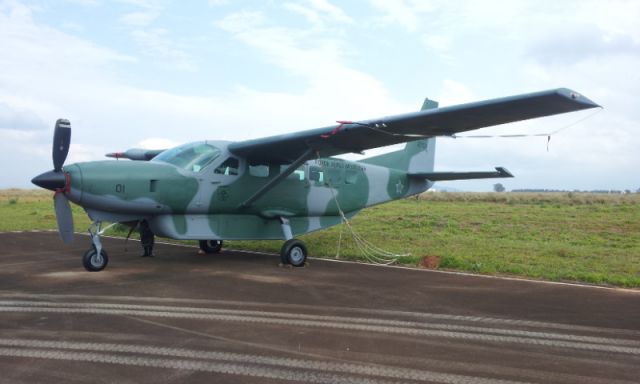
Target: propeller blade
{"points": [[64, 217], [61, 141]]}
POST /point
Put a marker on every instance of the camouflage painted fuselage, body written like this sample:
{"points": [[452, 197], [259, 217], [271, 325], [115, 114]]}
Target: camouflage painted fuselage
{"points": [[207, 203]]}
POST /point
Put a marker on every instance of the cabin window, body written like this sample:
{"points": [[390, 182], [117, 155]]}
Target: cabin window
{"points": [[335, 177], [228, 167], [259, 170], [315, 174], [298, 174]]}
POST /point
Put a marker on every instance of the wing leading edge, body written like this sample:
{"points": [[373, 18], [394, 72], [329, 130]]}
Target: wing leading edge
{"points": [[355, 137]]}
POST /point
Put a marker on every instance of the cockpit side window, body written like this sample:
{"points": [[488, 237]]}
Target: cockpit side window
{"points": [[228, 167]]}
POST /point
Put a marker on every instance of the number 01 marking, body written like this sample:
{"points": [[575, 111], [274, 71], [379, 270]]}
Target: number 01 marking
{"points": [[120, 188]]}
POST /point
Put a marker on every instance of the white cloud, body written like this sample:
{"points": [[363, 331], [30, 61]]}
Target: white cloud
{"points": [[146, 12], [156, 43], [492, 49], [85, 3], [454, 92], [398, 13], [71, 26], [311, 15], [140, 18], [12, 118], [521, 46], [330, 83], [336, 13], [439, 43], [241, 21], [158, 143], [318, 11], [217, 3]]}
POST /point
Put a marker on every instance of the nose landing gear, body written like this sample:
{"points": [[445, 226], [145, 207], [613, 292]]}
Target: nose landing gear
{"points": [[96, 258]]}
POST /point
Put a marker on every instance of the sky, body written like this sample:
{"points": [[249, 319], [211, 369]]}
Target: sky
{"points": [[157, 73]]}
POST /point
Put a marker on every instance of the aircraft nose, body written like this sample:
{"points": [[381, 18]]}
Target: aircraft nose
{"points": [[50, 180]]}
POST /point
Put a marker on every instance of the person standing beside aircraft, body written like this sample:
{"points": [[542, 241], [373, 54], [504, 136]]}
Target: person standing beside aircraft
{"points": [[147, 239]]}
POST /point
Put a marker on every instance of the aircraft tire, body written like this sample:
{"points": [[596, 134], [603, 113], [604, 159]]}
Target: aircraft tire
{"points": [[92, 263], [294, 252], [211, 246]]}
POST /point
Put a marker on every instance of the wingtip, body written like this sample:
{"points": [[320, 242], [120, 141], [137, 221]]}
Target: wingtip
{"points": [[504, 172], [578, 97]]}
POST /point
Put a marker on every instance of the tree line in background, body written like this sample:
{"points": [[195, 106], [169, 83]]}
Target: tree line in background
{"points": [[498, 187]]}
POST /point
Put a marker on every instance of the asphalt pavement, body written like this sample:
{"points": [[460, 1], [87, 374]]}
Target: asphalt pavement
{"points": [[240, 317]]}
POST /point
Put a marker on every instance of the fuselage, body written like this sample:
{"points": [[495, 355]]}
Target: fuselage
{"points": [[197, 191]]}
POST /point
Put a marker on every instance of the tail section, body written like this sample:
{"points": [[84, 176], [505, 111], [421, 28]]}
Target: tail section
{"points": [[416, 157]]}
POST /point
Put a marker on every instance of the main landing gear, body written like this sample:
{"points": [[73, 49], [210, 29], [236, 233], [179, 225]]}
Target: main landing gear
{"points": [[211, 246], [96, 258], [293, 251]]}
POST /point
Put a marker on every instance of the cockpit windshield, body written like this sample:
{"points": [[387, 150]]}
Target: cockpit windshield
{"points": [[192, 157]]}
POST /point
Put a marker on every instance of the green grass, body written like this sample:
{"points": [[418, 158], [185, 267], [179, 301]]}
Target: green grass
{"points": [[562, 237], [23, 210]]}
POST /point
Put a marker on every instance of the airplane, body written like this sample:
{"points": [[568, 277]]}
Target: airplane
{"points": [[276, 187]]}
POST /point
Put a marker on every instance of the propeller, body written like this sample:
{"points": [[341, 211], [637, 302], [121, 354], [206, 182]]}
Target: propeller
{"points": [[61, 141], [59, 181], [64, 217]]}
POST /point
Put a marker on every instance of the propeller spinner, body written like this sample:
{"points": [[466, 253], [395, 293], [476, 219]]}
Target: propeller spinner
{"points": [[59, 181]]}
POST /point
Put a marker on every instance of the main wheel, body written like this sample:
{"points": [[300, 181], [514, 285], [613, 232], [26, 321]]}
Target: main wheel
{"points": [[293, 252], [93, 262], [211, 246]]}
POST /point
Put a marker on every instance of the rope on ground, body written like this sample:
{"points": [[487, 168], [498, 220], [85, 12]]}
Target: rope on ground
{"points": [[371, 252]]}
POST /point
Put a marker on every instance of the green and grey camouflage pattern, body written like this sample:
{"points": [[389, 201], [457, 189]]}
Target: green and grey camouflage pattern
{"points": [[276, 187]]}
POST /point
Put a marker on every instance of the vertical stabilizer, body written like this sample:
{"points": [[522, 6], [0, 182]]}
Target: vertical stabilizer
{"points": [[416, 157]]}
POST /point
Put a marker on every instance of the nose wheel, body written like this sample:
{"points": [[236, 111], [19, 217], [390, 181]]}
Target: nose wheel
{"points": [[94, 261]]}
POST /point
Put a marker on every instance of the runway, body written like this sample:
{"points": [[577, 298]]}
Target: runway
{"points": [[239, 317]]}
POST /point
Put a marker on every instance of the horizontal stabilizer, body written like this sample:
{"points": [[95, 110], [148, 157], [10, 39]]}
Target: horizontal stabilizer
{"points": [[442, 176], [136, 154]]}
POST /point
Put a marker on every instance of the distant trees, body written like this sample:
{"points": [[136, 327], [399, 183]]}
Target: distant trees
{"points": [[598, 191], [498, 187]]}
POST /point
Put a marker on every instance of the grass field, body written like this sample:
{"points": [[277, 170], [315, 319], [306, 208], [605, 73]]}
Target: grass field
{"points": [[562, 237]]}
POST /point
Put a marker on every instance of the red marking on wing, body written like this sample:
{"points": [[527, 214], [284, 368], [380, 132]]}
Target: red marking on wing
{"points": [[336, 129]]}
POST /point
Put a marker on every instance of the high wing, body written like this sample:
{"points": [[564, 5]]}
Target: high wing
{"points": [[355, 137]]}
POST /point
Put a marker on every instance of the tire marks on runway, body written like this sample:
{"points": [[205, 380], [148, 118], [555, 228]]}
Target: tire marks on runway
{"points": [[420, 316], [359, 324], [299, 370]]}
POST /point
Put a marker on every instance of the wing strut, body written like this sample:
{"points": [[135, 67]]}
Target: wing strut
{"points": [[283, 174]]}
